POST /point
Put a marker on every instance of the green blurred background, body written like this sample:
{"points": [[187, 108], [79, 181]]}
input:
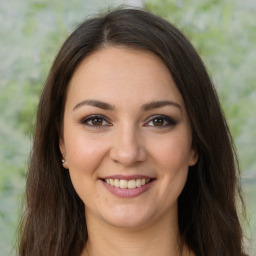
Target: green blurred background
{"points": [[32, 31]]}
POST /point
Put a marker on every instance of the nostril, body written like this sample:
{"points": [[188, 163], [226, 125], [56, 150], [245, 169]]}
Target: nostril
{"points": [[128, 154]]}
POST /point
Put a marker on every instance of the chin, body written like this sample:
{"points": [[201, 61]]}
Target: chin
{"points": [[126, 217], [128, 223]]}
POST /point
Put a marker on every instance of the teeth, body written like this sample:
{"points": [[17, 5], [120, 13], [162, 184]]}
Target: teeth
{"points": [[123, 184], [130, 184], [116, 183], [138, 183]]}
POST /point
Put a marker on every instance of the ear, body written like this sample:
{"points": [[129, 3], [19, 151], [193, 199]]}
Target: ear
{"points": [[193, 157], [63, 153]]}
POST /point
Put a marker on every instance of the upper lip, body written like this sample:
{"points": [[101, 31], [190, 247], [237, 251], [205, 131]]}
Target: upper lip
{"points": [[127, 177]]}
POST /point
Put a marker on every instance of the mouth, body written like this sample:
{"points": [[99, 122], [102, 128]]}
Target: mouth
{"points": [[128, 184]]}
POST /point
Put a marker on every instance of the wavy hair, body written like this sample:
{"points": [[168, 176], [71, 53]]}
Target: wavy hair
{"points": [[54, 223]]}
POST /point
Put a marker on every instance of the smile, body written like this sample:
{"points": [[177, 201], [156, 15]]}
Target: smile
{"points": [[130, 184]]}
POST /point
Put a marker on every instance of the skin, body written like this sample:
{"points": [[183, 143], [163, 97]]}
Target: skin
{"points": [[130, 139]]}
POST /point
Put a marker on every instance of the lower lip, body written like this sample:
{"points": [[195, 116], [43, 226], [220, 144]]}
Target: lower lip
{"points": [[128, 193]]}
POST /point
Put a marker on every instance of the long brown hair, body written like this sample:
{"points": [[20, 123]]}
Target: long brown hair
{"points": [[54, 221]]}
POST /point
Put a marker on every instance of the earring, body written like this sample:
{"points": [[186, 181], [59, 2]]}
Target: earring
{"points": [[63, 161]]}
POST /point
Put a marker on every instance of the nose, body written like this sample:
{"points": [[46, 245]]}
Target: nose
{"points": [[128, 148]]}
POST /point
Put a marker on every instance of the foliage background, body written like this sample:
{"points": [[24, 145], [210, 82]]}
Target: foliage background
{"points": [[32, 31]]}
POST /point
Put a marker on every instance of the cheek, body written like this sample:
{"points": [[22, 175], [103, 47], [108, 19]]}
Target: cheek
{"points": [[173, 152], [84, 153], [173, 157], [84, 157]]}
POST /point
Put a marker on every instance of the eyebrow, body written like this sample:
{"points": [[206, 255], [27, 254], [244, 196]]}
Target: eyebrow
{"points": [[94, 103], [160, 104], [145, 107]]}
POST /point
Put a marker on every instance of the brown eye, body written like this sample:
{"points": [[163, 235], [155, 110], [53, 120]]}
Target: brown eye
{"points": [[158, 121], [161, 121], [96, 121]]}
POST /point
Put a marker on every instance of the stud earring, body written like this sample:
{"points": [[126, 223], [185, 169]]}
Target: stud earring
{"points": [[63, 161]]}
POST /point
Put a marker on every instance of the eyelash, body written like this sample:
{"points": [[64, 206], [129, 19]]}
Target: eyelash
{"points": [[90, 118], [167, 121]]}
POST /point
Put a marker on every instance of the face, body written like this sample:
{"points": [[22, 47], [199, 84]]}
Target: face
{"points": [[126, 137]]}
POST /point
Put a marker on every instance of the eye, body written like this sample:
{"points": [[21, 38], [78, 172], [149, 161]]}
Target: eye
{"points": [[160, 121], [96, 121]]}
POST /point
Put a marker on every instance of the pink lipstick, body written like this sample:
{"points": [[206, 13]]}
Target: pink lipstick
{"points": [[127, 186]]}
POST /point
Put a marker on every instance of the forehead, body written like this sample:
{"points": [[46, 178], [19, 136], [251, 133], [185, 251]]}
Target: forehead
{"points": [[114, 73]]}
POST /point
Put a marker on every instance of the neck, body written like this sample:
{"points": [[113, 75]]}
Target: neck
{"points": [[159, 238]]}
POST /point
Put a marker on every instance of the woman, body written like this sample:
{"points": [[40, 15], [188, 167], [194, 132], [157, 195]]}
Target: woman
{"points": [[131, 154]]}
